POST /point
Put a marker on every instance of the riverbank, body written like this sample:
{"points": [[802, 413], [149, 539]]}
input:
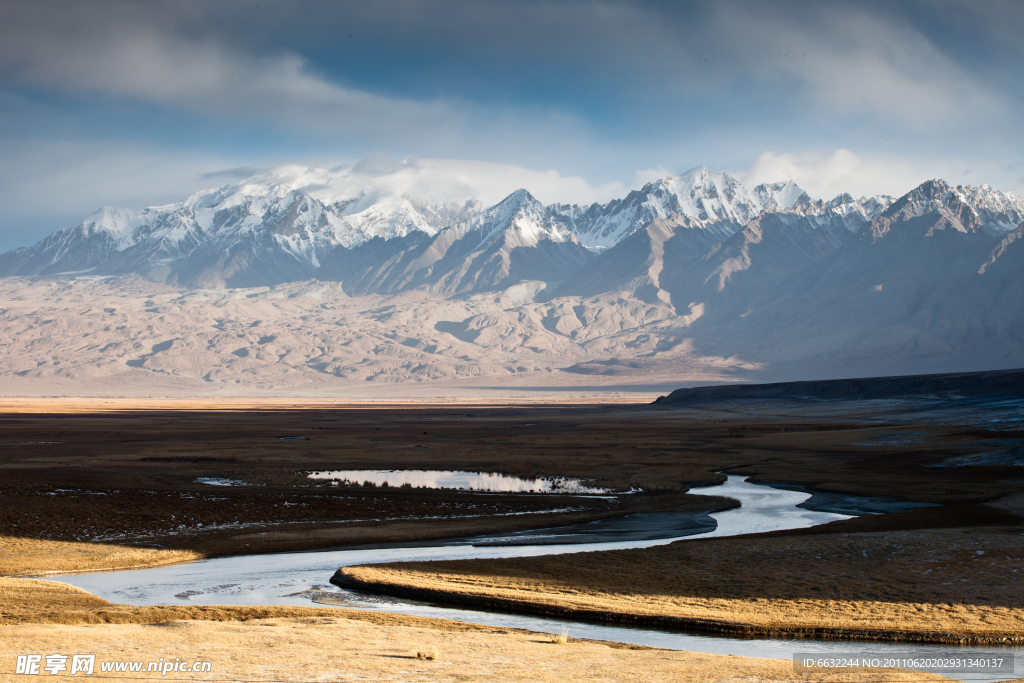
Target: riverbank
{"points": [[288, 644], [941, 585], [34, 557]]}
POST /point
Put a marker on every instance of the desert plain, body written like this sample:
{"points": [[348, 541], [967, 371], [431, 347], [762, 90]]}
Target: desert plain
{"points": [[116, 484]]}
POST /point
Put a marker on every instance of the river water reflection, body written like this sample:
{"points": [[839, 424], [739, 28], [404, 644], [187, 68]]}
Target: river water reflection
{"points": [[288, 578]]}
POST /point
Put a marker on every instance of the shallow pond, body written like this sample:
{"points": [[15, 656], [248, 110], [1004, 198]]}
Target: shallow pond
{"points": [[456, 479], [293, 578]]}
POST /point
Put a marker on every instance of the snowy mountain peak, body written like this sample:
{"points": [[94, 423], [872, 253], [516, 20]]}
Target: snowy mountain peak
{"points": [[973, 207], [780, 196], [281, 224], [119, 224], [709, 196], [698, 194], [519, 200], [853, 213], [927, 196], [524, 220], [1003, 211]]}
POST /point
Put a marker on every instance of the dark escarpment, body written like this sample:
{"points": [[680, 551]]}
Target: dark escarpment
{"points": [[997, 384]]}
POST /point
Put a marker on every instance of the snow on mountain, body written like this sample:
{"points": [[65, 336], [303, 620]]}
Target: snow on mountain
{"points": [[274, 225], [780, 196], [710, 197], [698, 194], [347, 206], [518, 239], [527, 221], [286, 223], [707, 199], [1001, 210], [854, 213], [119, 224], [972, 207]]}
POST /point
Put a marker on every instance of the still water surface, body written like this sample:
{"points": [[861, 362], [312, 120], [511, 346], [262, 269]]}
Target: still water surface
{"points": [[456, 479]]}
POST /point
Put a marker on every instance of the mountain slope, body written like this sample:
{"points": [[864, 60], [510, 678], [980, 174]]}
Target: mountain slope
{"points": [[746, 269], [516, 240], [639, 262], [927, 286]]}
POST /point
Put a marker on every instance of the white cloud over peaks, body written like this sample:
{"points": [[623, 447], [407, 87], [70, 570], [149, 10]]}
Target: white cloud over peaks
{"points": [[491, 182], [824, 177], [457, 180]]}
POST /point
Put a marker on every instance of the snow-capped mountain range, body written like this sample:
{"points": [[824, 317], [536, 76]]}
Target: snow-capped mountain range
{"points": [[692, 275], [675, 239], [285, 224]]}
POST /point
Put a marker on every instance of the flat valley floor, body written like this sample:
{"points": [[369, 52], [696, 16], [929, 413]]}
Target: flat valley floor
{"points": [[116, 484]]}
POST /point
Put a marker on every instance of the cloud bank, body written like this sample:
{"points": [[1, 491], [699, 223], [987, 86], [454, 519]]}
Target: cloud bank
{"points": [[123, 103]]}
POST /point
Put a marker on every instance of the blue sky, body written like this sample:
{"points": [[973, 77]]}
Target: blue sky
{"points": [[136, 104]]}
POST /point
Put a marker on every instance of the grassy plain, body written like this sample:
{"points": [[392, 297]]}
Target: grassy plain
{"points": [[304, 644], [35, 557]]}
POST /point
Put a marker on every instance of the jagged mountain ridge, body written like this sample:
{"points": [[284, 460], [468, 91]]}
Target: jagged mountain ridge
{"points": [[265, 230], [298, 224], [279, 227], [516, 240]]}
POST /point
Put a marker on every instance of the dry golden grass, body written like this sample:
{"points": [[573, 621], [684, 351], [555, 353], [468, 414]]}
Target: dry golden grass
{"points": [[305, 643], [943, 584], [335, 648], [27, 595], [33, 557], [562, 637]]}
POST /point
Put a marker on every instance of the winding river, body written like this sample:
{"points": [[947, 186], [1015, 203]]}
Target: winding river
{"points": [[296, 578]]}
